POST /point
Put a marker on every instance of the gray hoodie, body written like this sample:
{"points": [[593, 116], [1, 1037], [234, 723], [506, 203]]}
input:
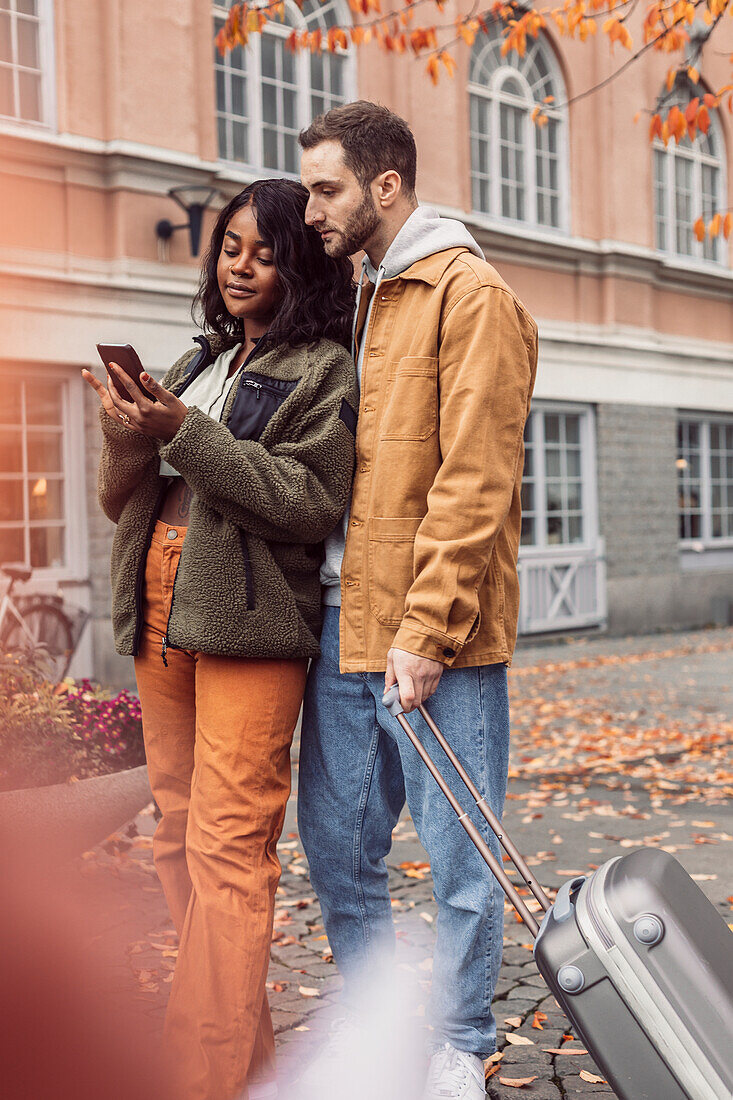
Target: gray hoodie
{"points": [[423, 234]]}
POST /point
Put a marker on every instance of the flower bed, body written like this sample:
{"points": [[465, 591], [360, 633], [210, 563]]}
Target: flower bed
{"points": [[57, 733]]}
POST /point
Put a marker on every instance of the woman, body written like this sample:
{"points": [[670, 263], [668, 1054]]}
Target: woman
{"points": [[223, 481]]}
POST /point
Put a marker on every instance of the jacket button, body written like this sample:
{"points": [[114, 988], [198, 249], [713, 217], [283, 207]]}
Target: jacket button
{"points": [[448, 652]]}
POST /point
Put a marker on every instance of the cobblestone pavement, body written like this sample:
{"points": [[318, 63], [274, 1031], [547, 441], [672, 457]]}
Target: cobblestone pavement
{"points": [[616, 743]]}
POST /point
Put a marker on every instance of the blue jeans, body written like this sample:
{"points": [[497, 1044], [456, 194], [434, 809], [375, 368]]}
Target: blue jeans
{"points": [[356, 769]]}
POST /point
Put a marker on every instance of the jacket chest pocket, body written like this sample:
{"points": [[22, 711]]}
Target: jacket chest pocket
{"points": [[258, 399], [411, 399]]}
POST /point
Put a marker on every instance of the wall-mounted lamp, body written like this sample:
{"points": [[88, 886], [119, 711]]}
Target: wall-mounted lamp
{"points": [[193, 201]]}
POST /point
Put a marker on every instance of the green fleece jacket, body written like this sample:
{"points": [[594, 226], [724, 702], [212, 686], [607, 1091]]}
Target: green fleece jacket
{"points": [[247, 583]]}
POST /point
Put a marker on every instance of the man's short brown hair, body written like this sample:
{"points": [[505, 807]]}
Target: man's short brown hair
{"points": [[373, 138]]}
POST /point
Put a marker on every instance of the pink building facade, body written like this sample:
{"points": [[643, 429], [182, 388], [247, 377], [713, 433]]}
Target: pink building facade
{"points": [[628, 498]]}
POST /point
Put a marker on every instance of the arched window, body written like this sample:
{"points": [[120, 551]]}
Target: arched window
{"points": [[265, 94], [518, 169], [688, 184]]}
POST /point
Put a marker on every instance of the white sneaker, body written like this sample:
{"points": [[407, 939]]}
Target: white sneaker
{"points": [[456, 1075], [333, 1065], [263, 1090]]}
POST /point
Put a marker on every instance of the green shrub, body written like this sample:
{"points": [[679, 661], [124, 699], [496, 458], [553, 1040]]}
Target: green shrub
{"points": [[37, 737], [55, 733]]}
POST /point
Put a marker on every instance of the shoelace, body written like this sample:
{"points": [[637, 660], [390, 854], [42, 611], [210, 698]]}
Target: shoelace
{"points": [[452, 1069]]}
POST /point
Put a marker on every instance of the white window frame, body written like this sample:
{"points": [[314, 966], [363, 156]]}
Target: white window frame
{"points": [[253, 77], [74, 469], [692, 153], [47, 63], [588, 479], [494, 93], [706, 539]]}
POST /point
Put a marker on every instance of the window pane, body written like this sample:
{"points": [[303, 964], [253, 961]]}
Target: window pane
{"points": [[44, 452], [6, 45], [29, 96], [575, 529], [10, 401], [572, 462], [269, 145], [45, 499], [269, 103], [239, 141], [27, 7], [527, 496], [554, 530], [269, 65], [528, 531], [291, 154], [43, 404], [11, 452], [47, 547], [317, 71], [512, 87], [554, 496], [552, 428], [7, 95], [336, 70], [28, 43], [552, 462], [287, 63], [290, 109], [221, 127], [237, 59], [239, 96], [11, 500], [572, 429], [12, 544], [574, 496], [221, 101]]}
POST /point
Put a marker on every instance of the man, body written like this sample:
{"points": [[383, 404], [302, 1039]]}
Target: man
{"points": [[423, 569]]}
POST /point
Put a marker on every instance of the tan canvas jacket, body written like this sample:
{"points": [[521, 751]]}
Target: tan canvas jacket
{"points": [[430, 564]]}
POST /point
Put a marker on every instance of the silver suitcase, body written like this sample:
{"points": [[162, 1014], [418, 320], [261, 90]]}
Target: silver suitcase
{"points": [[635, 955]]}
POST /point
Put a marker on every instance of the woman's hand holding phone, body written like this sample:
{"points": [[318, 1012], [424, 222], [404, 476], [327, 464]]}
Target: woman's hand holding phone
{"points": [[159, 415], [104, 394]]}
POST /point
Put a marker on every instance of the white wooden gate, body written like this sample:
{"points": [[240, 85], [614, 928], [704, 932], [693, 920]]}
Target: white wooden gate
{"points": [[562, 589]]}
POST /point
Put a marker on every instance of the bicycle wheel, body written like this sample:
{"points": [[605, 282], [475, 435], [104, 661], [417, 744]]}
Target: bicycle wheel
{"points": [[49, 634]]}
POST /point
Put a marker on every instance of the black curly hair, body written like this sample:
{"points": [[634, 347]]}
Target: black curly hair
{"points": [[318, 291]]}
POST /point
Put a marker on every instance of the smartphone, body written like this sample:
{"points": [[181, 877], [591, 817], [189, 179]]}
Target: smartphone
{"points": [[125, 356]]}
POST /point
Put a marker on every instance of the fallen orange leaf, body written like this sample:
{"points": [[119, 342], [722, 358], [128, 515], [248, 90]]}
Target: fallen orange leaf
{"points": [[592, 1078], [517, 1082], [561, 1050]]}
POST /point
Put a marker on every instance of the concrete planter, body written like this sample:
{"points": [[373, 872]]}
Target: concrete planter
{"points": [[60, 822]]}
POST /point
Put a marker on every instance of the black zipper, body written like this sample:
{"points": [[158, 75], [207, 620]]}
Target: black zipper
{"points": [[255, 385], [276, 391], [140, 579]]}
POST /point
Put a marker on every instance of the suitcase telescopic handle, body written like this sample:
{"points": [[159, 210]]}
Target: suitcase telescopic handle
{"points": [[391, 701]]}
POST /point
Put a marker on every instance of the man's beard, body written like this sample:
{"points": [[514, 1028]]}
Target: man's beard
{"points": [[360, 225]]}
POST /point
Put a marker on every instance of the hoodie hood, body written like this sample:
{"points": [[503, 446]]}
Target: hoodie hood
{"points": [[423, 234]]}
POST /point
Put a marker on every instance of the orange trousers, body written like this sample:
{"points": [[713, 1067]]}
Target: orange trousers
{"points": [[217, 734]]}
